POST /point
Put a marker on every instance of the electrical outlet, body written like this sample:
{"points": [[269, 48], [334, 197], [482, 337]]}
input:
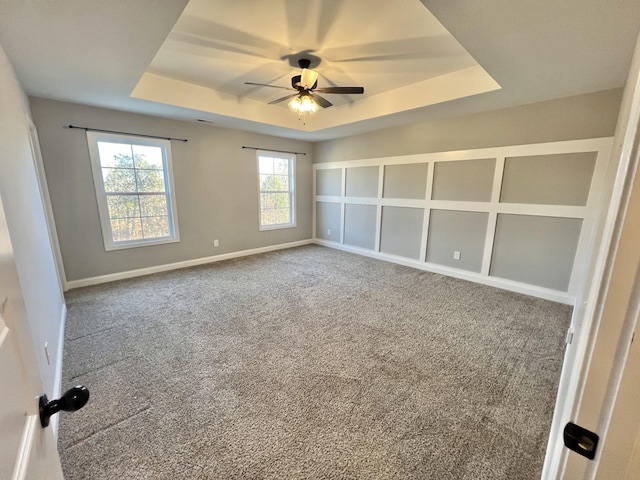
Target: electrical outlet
{"points": [[216, 243], [328, 231], [456, 255]]}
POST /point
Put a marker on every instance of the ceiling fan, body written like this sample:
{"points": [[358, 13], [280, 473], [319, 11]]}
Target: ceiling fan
{"points": [[306, 98]]}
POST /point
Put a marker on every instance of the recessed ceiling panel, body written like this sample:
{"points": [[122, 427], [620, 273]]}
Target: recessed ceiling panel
{"points": [[386, 47]]}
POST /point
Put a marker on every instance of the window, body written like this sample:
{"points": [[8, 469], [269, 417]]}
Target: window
{"points": [[276, 179], [133, 181]]}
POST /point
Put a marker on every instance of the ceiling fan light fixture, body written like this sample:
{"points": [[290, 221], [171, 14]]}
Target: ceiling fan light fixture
{"points": [[303, 104], [308, 78], [306, 100]]}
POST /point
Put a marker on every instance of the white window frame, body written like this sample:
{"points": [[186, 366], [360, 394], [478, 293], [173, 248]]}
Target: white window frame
{"points": [[109, 244], [291, 157]]}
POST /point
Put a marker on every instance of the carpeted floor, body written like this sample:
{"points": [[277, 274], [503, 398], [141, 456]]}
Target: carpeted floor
{"points": [[309, 363]]}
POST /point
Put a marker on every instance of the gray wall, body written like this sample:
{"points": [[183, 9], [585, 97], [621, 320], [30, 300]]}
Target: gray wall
{"points": [[401, 231], [535, 250], [360, 225], [529, 248], [215, 184], [329, 182], [591, 115], [464, 180], [563, 179], [405, 181], [362, 182], [450, 231], [328, 217]]}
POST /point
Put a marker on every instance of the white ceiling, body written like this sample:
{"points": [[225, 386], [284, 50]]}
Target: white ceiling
{"points": [[416, 60]]}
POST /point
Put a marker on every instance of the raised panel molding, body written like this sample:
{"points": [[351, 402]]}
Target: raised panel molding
{"points": [[484, 251]]}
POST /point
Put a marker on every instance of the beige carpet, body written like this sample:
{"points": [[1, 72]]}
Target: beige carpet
{"points": [[309, 363]]}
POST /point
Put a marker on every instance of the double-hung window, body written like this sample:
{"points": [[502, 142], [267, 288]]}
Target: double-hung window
{"points": [[134, 189], [276, 180]]}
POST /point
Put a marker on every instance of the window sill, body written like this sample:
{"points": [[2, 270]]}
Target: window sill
{"points": [[265, 228], [140, 243]]}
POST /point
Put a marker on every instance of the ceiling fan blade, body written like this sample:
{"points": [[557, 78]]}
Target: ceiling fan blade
{"points": [[209, 34], [267, 85], [438, 46], [323, 102], [343, 90], [282, 99]]}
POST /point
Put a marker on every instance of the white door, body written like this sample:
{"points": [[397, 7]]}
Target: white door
{"points": [[609, 386], [620, 457], [27, 451], [611, 392]]}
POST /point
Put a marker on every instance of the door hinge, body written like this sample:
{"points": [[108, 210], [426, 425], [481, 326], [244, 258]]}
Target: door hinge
{"points": [[569, 338]]}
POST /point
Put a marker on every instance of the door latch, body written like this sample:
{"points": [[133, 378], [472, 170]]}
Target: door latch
{"points": [[580, 440]]}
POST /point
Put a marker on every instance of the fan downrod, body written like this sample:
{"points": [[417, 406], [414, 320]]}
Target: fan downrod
{"points": [[304, 63]]}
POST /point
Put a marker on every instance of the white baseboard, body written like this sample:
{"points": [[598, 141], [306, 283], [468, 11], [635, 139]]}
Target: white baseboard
{"points": [[57, 379], [85, 282], [532, 290]]}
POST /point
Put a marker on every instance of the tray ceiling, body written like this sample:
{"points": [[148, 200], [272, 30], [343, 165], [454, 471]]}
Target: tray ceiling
{"points": [[417, 60], [398, 51]]}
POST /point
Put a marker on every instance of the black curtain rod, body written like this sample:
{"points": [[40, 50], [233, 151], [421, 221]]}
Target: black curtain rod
{"points": [[271, 150], [87, 129]]}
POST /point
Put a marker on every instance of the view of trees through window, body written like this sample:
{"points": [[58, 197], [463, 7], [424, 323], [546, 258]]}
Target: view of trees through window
{"points": [[276, 190], [134, 184]]}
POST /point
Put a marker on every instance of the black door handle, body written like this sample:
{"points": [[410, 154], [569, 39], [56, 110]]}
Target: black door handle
{"points": [[73, 399]]}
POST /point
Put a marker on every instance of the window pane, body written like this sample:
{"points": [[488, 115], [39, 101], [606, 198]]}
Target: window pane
{"points": [[274, 183], [150, 180], [266, 183], [126, 229], [133, 189], [267, 200], [123, 206], [153, 205], [281, 182], [282, 200], [266, 165], [276, 180], [115, 155], [155, 227], [281, 166], [282, 215], [268, 217], [147, 157], [118, 180]]}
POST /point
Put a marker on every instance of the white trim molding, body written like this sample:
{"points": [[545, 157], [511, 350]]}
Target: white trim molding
{"points": [[290, 191], [586, 213], [102, 195], [504, 284], [112, 277], [57, 376]]}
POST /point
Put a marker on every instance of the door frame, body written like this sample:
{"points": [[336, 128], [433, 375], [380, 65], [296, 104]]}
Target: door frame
{"points": [[41, 175], [589, 309]]}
